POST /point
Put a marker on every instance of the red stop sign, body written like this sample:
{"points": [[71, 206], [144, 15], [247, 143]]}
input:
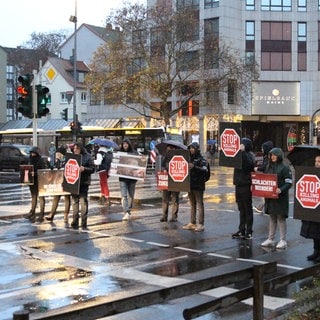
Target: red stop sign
{"points": [[308, 191], [178, 168], [230, 142], [71, 171]]}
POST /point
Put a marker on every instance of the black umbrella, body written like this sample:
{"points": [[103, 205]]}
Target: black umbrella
{"points": [[303, 155], [162, 146]]}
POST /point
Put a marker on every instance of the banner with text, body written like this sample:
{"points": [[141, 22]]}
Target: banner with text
{"points": [[50, 182], [264, 185]]}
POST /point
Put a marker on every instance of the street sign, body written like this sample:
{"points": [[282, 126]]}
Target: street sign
{"points": [[72, 171], [308, 191], [230, 142], [178, 168]]}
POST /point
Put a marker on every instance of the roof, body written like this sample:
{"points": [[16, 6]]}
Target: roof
{"points": [[17, 124], [65, 68], [105, 123], [52, 124]]}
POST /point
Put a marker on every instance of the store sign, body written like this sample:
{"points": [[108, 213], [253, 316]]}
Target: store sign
{"points": [[275, 98]]}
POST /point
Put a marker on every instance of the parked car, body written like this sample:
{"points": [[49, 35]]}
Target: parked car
{"points": [[13, 155]]}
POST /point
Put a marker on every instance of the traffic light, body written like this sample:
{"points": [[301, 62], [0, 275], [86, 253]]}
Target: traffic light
{"points": [[42, 100], [76, 127], [64, 114], [25, 95]]}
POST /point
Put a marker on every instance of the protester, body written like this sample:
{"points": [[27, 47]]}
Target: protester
{"points": [[36, 160], [242, 182], [311, 229], [127, 185], [81, 199], [278, 209], [169, 195], [198, 175], [59, 165], [266, 147], [103, 163]]}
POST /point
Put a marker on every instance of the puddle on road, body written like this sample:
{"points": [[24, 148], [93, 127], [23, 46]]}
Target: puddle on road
{"points": [[184, 266]]}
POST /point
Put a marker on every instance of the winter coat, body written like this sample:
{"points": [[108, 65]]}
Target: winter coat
{"points": [[37, 161], [310, 229], [198, 172], [242, 177], [279, 206], [266, 147], [87, 163]]}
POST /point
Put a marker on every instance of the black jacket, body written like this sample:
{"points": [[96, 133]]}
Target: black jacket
{"points": [[198, 172]]}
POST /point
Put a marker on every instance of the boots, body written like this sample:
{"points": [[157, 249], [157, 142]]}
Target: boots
{"points": [[164, 218], [314, 256]]}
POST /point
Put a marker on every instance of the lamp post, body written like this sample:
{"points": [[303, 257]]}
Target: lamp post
{"points": [[74, 20]]}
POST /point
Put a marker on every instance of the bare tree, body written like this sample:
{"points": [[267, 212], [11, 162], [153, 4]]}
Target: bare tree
{"points": [[162, 59]]}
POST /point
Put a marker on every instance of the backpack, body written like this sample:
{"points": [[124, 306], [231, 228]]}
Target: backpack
{"points": [[208, 172], [106, 161]]}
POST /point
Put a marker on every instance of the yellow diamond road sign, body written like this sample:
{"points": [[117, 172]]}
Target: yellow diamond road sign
{"points": [[51, 73]]}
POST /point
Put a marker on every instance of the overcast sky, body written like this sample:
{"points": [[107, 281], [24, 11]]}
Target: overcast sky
{"points": [[19, 18]]}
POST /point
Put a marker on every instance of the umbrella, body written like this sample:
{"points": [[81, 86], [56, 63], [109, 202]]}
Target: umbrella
{"points": [[104, 142], [212, 141], [303, 155], [162, 146]]}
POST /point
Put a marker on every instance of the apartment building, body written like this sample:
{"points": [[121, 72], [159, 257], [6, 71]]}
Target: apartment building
{"points": [[283, 38]]}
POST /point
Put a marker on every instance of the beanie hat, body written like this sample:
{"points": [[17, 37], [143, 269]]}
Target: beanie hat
{"points": [[62, 150]]}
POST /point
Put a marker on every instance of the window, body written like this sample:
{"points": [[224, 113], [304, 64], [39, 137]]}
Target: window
{"points": [[83, 97], [232, 91], [302, 46], [190, 108], [211, 4], [319, 44], [63, 97], [275, 46], [250, 41], [250, 5], [276, 5], [95, 98], [192, 4], [189, 61], [211, 43], [302, 5]]}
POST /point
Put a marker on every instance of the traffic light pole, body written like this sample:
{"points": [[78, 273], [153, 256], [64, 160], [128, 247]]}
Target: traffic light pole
{"points": [[34, 108]]}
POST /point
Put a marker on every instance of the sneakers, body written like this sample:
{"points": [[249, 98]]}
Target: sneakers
{"points": [[126, 217], [258, 209], [248, 236], [199, 228], [268, 243], [282, 244], [189, 226], [238, 235]]}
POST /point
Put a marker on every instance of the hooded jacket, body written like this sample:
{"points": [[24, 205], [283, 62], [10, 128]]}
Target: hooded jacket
{"points": [[266, 148], [242, 176], [36, 161], [279, 206], [198, 172]]}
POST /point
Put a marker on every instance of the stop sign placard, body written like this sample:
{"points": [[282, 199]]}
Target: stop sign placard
{"points": [[308, 191], [71, 171], [230, 142], [178, 168]]}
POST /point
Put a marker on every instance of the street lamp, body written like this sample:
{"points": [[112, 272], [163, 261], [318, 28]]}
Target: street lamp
{"points": [[74, 20]]}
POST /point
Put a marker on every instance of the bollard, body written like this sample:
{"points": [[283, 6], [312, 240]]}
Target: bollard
{"points": [[21, 315]]}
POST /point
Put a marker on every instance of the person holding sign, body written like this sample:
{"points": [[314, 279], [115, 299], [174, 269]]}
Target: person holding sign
{"points": [[167, 195], [127, 185], [86, 169], [242, 182], [278, 209], [60, 162], [311, 229], [38, 163], [198, 176]]}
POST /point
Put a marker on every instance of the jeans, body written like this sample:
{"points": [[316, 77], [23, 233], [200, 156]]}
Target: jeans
{"points": [[34, 200], [127, 190], [104, 187], [244, 201], [77, 201], [196, 202]]}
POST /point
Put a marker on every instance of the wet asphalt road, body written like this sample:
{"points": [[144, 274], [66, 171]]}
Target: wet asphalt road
{"points": [[48, 269]]}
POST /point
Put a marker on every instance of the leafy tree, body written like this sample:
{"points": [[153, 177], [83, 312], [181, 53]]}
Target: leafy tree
{"points": [[159, 62]]}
